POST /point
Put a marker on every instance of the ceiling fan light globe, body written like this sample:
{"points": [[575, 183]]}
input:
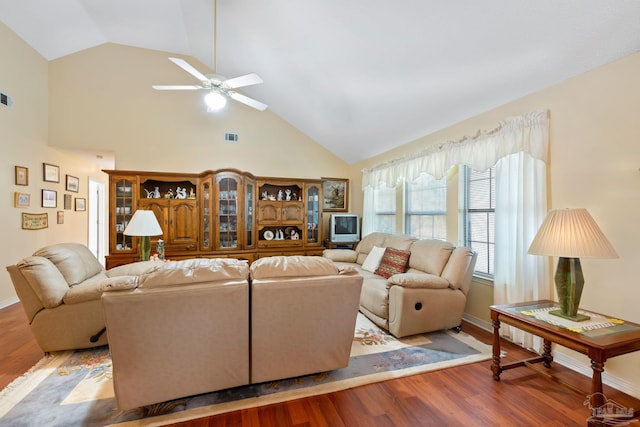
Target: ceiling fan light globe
{"points": [[215, 101]]}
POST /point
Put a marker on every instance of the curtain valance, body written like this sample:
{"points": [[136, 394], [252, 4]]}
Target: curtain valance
{"points": [[528, 132]]}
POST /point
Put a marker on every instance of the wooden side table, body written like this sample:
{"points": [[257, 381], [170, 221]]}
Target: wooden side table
{"points": [[598, 346]]}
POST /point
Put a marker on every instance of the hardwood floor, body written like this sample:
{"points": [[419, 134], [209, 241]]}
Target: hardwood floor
{"points": [[460, 396]]}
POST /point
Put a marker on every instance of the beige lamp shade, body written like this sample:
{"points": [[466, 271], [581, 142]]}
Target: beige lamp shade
{"points": [[143, 223], [571, 233]]}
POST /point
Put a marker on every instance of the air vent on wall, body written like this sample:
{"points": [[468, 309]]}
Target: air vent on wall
{"points": [[231, 137], [6, 100]]}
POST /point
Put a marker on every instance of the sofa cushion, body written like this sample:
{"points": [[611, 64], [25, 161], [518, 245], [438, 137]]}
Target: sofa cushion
{"points": [[133, 269], [372, 261], [292, 266], [45, 279], [75, 261], [393, 261], [430, 256], [195, 270], [340, 255], [93, 288], [418, 280], [399, 241]]}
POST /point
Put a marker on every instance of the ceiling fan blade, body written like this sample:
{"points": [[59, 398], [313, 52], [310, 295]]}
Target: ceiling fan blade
{"points": [[248, 101], [176, 87], [246, 80], [189, 69]]}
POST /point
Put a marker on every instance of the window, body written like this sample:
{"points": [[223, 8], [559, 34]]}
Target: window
{"points": [[384, 207], [479, 217], [426, 208]]}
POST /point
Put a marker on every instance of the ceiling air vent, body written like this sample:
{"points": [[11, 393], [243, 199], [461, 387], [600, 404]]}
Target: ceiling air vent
{"points": [[6, 100], [231, 137]]}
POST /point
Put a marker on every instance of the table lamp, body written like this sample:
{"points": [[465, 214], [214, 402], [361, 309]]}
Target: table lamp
{"points": [[143, 223], [570, 234]]}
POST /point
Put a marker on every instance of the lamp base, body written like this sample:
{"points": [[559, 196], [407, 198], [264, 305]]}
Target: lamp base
{"points": [[577, 318]]}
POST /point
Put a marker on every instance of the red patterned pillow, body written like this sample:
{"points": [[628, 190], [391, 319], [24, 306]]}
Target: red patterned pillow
{"points": [[394, 261]]}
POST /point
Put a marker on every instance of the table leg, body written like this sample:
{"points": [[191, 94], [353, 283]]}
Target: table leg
{"points": [[495, 366], [596, 382], [548, 358]]}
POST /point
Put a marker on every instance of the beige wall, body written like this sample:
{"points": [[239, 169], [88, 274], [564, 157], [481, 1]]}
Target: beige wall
{"points": [[595, 161], [24, 142], [102, 99]]}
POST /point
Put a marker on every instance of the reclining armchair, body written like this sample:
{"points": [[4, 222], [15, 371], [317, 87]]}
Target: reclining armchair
{"points": [[60, 288]]}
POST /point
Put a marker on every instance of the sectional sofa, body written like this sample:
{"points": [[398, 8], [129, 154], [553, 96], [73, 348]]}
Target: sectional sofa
{"points": [[410, 286]]}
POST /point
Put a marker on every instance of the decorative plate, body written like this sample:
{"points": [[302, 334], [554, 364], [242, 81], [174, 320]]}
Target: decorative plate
{"points": [[268, 235]]}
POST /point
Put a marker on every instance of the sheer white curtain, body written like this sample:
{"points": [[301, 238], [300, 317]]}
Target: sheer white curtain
{"points": [[368, 212], [519, 147], [521, 206]]}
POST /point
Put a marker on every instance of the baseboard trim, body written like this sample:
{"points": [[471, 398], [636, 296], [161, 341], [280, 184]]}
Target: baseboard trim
{"points": [[569, 362], [8, 302], [476, 321]]}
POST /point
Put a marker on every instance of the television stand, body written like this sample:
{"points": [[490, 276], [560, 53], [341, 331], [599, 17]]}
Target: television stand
{"points": [[340, 245]]}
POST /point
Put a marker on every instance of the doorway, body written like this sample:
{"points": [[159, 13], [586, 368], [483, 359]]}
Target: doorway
{"points": [[97, 206]]}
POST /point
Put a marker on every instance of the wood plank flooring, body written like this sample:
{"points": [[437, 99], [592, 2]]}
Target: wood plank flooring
{"points": [[460, 396]]}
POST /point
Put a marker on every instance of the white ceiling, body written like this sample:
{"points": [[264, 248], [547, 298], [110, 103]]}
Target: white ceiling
{"points": [[359, 77]]}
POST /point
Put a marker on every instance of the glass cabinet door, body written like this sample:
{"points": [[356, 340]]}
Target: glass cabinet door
{"points": [[206, 208], [227, 195], [123, 208], [248, 214], [312, 226]]}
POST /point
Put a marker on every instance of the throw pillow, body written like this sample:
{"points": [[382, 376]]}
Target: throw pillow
{"points": [[372, 260], [394, 261]]}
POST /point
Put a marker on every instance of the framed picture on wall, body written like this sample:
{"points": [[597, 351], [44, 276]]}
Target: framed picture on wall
{"points": [[67, 201], [60, 217], [22, 175], [336, 194], [50, 173], [49, 199], [72, 183], [21, 200], [81, 204]]}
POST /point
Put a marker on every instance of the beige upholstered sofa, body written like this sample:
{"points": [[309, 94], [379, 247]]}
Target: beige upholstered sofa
{"points": [[183, 331], [60, 288], [203, 325], [427, 294], [303, 316]]}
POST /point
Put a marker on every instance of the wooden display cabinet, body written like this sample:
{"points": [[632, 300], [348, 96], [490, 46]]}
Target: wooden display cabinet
{"points": [[173, 200], [223, 213], [280, 217]]}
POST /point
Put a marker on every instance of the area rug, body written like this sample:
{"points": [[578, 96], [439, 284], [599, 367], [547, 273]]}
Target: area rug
{"points": [[75, 388]]}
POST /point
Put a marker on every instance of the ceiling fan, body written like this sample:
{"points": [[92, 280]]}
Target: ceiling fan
{"points": [[218, 86]]}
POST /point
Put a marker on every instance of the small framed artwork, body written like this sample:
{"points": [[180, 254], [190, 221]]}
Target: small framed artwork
{"points": [[81, 204], [21, 200], [336, 194], [67, 201], [22, 175], [35, 221], [50, 173], [72, 183], [49, 199], [60, 217]]}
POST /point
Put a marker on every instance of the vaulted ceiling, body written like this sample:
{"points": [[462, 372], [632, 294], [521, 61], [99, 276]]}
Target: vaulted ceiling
{"points": [[359, 77]]}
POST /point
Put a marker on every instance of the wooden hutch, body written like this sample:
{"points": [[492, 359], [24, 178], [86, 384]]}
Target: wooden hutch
{"points": [[222, 213]]}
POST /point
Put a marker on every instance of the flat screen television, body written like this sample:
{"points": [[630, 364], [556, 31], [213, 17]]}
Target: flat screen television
{"points": [[344, 227]]}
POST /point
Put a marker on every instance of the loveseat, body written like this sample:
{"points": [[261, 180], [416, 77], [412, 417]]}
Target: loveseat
{"points": [[203, 325], [60, 288], [410, 286]]}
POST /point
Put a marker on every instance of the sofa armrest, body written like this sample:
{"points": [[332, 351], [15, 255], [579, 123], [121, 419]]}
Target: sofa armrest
{"points": [[417, 280], [341, 255]]}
